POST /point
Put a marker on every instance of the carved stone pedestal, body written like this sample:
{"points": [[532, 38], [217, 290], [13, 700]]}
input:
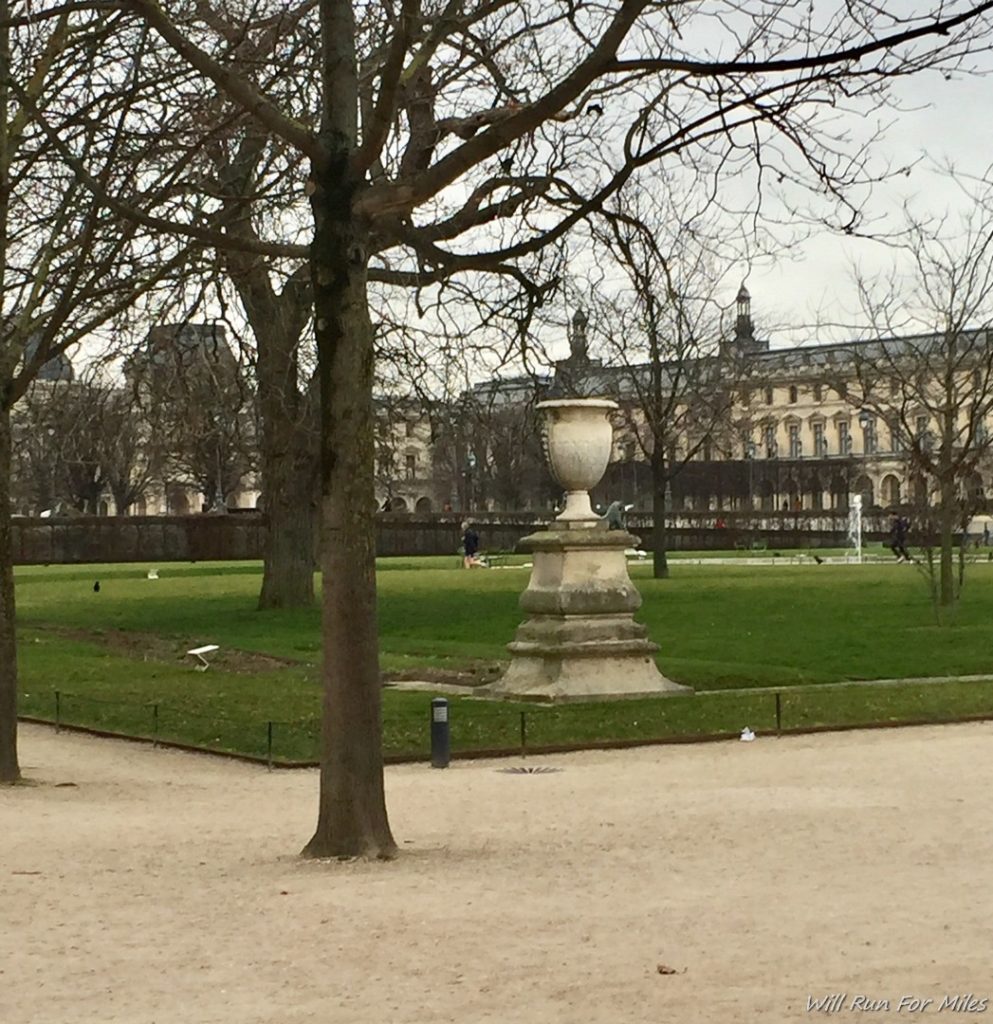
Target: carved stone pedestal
{"points": [[580, 640]]}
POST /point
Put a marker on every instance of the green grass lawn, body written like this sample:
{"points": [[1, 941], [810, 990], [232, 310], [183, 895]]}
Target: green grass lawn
{"points": [[116, 655]]}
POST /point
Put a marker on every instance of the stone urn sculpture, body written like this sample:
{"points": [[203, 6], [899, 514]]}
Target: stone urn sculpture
{"points": [[580, 640], [578, 440]]}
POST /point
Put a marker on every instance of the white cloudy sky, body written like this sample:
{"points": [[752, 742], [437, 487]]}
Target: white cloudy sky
{"points": [[940, 121], [809, 294]]}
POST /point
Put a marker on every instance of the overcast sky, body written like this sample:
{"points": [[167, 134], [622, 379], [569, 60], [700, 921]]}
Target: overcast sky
{"points": [[809, 295], [952, 122], [939, 121]]}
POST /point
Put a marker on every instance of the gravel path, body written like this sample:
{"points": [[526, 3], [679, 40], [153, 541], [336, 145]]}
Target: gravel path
{"points": [[164, 887]]}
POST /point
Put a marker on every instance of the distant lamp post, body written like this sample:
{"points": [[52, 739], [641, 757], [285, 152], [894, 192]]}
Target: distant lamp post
{"points": [[751, 450], [220, 504], [470, 470], [53, 485], [865, 422]]}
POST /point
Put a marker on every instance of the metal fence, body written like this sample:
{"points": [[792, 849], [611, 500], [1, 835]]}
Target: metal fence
{"points": [[481, 728]]}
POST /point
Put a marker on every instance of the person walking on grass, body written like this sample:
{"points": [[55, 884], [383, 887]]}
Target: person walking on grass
{"points": [[470, 546], [899, 528]]}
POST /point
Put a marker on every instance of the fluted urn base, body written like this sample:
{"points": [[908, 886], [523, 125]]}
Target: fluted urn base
{"points": [[580, 640]]}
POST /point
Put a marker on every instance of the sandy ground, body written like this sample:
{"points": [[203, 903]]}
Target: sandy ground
{"points": [[164, 887]]}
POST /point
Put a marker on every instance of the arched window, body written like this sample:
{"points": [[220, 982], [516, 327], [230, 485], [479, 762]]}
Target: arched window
{"points": [[890, 490], [767, 495], [839, 493], [793, 394], [177, 502], [792, 493]]}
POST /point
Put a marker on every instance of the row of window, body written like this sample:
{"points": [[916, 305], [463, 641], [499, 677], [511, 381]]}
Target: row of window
{"points": [[841, 390], [817, 393], [794, 394], [870, 438], [410, 467], [822, 447]]}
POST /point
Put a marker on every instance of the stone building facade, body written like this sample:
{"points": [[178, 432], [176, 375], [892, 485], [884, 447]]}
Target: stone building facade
{"points": [[796, 432]]}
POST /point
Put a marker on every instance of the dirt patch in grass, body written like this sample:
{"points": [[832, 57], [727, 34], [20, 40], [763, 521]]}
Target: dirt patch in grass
{"points": [[473, 674], [170, 650], [152, 647]]}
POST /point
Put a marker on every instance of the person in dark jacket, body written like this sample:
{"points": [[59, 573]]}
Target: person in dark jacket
{"points": [[470, 546], [899, 528]]}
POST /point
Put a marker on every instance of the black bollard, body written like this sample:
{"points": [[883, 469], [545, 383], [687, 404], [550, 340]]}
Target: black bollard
{"points": [[440, 745]]}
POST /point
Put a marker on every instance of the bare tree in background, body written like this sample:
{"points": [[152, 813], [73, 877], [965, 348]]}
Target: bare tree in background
{"points": [[130, 453], [930, 395], [85, 437], [199, 402], [35, 486], [667, 331], [468, 138], [75, 415], [506, 442], [436, 347], [68, 265]]}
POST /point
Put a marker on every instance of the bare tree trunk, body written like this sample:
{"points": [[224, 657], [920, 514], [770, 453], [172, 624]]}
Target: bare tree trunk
{"points": [[289, 480], [352, 820], [289, 500], [660, 520], [9, 769], [947, 513], [287, 445]]}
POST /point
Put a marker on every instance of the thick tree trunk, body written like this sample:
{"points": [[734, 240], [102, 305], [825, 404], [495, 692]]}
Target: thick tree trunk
{"points": [[352, 820], [660, 521], [287, 443], [289, 500], [9, 769], [289, 478]]}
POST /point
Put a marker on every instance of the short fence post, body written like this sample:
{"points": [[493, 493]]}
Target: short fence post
{"points": [[779, 714], [58, 711], [269, 745], [440, 737], [524, 734], [155, 725]]}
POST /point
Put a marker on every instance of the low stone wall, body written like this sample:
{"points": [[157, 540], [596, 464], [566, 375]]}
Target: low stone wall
{"points": [[234, 537]]}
